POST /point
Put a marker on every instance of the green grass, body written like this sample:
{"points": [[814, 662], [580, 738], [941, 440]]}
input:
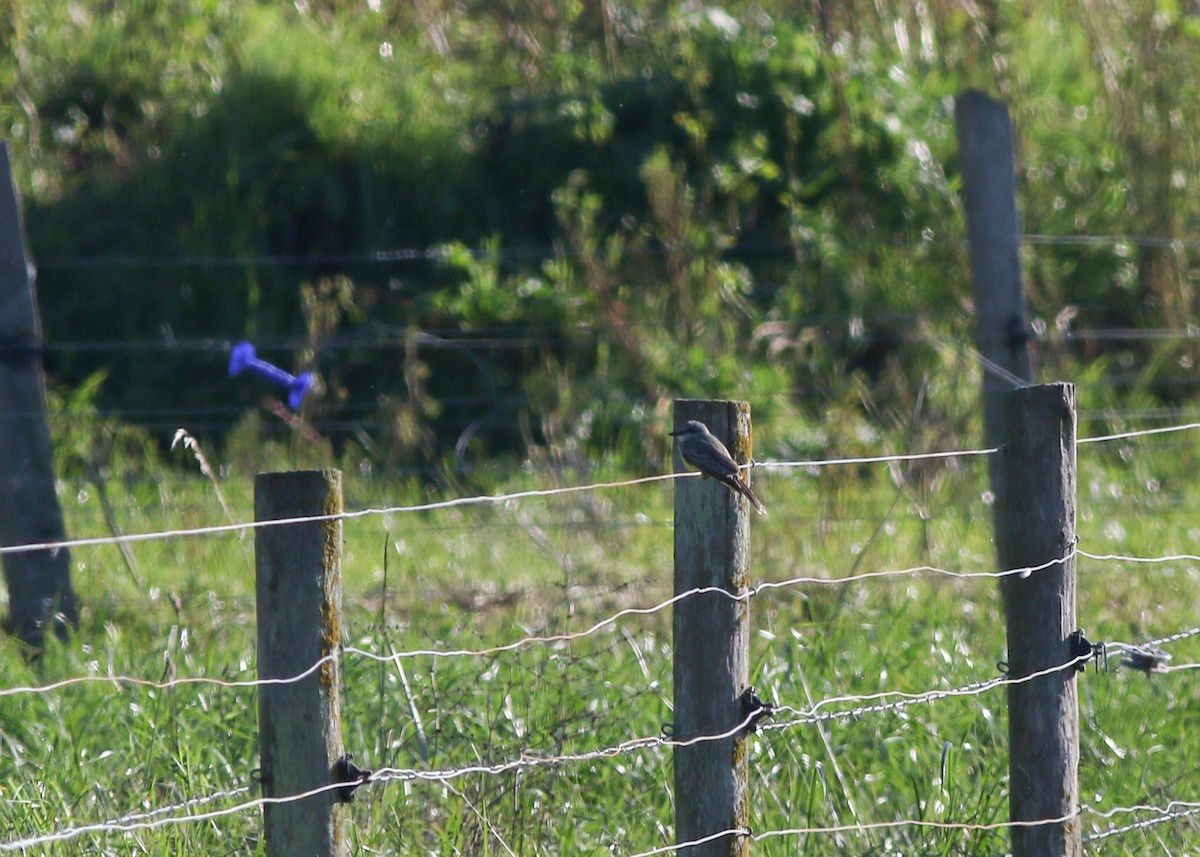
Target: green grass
{"points": [[480, 576]]}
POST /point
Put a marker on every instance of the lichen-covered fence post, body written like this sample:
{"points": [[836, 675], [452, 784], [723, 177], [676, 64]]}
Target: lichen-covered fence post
{"points": [[1035, 526], [299, 589], [712, 642]]}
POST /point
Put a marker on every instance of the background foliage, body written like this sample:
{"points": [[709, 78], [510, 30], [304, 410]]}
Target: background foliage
{"points": [[497, 227]]}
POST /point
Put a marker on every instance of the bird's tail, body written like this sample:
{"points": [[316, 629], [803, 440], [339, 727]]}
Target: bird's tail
{"points": [[740, 486]]}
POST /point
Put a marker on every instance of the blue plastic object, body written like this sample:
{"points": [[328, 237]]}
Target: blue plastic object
{"points": [[242, 359]]}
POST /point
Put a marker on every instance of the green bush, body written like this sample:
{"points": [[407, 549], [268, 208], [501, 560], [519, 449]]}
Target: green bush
{"points": [[600, 208]]}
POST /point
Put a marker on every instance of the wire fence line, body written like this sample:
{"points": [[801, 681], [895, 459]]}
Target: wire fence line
{"points": [[161, 817], [1174, 810], [482, 499], [1173, 638], [1139, 560], [383, 337], [745, 595], [834, 328], [535, 760], [455, 502], [870, 459], [129, 824], [477, 500], [902, 699], [857, 827], [493, 499], [164, 816], [601, 625], [165, 685], [1104, 438], [873, 703], [397, 657], [440, 253], [399, 509], [543, 639]]}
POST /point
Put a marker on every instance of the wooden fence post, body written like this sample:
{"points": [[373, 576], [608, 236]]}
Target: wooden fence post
{"points": [[1037, 470], [985, 153], [299, 589], [711, 641], [39, 582]]}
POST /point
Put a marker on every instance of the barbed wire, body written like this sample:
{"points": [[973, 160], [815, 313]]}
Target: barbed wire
{"points": [[874, 702], [1175, 809], [162, 819], [1173, 638], [856, 827], [596, 627], [527, 760], [1172, 811], [128, 819], [903, 699], [1157, 642]]}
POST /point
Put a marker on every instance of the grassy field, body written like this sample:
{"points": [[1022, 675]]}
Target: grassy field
{"points": [[484, 575]]}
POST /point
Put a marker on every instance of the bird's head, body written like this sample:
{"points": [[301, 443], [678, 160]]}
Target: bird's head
{"points": [[690, 429]]}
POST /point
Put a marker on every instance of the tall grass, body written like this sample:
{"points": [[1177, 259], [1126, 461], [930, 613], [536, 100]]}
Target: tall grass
{"points": [[474, 577]]}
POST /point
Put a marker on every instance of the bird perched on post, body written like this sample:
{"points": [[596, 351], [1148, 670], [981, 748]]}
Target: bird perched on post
{"points": [[704, 451]]}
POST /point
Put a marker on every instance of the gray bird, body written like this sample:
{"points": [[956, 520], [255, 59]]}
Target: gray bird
{"points": [[704, 451]]}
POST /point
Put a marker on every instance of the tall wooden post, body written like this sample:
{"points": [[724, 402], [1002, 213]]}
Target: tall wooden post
{"points": [[985, 152], [299, 589], [1037, 525], [711, 641], [39, 582]]}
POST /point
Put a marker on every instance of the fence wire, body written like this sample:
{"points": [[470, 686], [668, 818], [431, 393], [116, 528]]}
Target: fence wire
{"points": [[164, 816], [609, 621]]}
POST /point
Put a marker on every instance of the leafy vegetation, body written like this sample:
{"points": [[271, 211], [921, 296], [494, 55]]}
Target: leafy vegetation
{"points": [[560, 217]]}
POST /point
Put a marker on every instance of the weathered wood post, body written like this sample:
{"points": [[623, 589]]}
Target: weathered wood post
{"points": [[39, 582], [1033, 481], [985, 152], [711, 641], [299, 589], [1034, 526]]}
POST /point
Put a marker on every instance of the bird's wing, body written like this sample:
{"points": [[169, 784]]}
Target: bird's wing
{"points": [[725, 466]]}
